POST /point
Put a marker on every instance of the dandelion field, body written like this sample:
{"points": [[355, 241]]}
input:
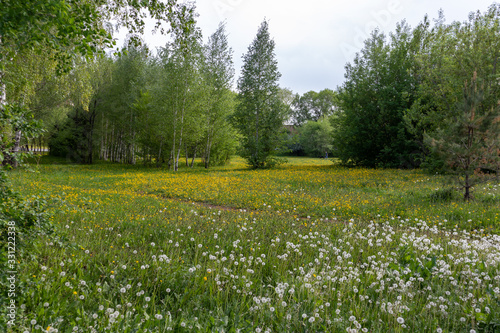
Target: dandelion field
{"points": [[308, 247]]}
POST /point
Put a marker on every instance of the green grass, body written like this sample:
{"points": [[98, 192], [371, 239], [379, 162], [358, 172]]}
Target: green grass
{"points": [[303, 187], [308, 247]]}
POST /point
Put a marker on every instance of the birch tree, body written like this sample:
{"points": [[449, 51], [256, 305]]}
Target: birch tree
{"points": [[69, 29], [183, 75], [219, 73]]}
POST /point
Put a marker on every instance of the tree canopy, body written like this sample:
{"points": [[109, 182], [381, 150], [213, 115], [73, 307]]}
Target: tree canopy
{"points": [[74, 26], [260, 112], [379, 88]]}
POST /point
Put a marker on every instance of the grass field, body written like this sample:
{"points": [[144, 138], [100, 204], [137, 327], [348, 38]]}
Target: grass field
{"points": [[308, 247]]}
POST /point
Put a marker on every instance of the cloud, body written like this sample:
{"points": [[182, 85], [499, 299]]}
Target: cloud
{"points": [[315, 39]]}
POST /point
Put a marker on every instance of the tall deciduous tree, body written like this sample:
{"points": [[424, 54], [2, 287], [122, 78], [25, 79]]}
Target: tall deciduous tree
{"points": [[183, 86], [219, 74], [68, 28], [450, 55], [28, 74], [89, 84], [260, 113], [379, 88], [122, 117], [313, 106], [304, 108], [316, 138]]}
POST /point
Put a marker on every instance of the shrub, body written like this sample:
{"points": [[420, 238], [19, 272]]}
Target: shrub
{"points": [[26, 218]]}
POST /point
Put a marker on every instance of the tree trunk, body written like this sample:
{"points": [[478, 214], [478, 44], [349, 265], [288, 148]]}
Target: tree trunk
{"points": [[257, 159], [15, 149], [90, 139], [194, 156], [170, 160], [467, 188], [159, 155], [209, 145], [207, 158], [176, 158], [132, 134], [172, 153], [209, 139], [111, 144], [3, 96]]}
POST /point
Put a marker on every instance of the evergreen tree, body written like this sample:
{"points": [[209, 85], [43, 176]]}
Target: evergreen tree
{"points": [[469, 141], [260, 113]]}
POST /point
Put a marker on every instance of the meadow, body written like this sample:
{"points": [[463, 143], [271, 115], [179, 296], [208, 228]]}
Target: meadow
{"points": [[307, 247]]}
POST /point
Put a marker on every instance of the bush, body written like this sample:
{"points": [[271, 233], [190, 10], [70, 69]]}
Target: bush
{"points": [[26, 218], [70, 140], [316, 138], [21, 222]]}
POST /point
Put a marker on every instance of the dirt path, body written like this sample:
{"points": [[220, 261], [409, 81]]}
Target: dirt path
{"points": [[226, 208]]}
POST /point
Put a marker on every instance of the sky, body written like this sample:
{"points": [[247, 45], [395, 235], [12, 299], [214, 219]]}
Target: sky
{"points": [[315, 38]]}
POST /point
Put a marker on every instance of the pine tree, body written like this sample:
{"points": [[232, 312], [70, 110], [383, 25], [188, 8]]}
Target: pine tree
{"points": [[469, 142], [260, 113]]}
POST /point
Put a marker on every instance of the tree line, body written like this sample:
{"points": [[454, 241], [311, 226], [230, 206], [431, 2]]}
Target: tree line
{"points": [[418, 97], [428, 96], [155, 108]]}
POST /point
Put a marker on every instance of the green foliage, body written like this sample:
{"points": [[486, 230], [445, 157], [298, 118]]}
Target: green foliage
{"points": [[304, 108], [16, 125], [313, 106], [459, 114], [469, 141], [23, 219], [120, 99], [443, 195], [22, 222], [316, 138], [292, 141], [178, 94], [75, 27], [70, 139], [379, 87], [224, 146], [403, 101], [40, 39], [260, 112], [157, 109], [450, 56], [410, 266], [218, 71]]}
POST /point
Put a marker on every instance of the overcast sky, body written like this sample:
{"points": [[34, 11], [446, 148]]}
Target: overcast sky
{"points": [[316, 38]]}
